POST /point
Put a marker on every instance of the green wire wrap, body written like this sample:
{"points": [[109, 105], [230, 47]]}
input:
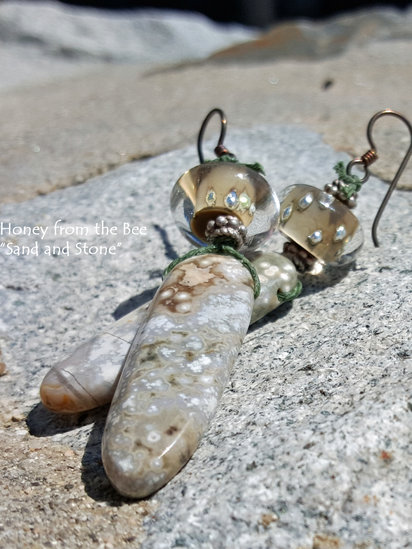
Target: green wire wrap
{"points": [[222, 249], [353, 184], [231, 158], [288, 296]]}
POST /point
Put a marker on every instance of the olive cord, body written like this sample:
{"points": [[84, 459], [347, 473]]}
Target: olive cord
{"points": [[353, 183], [288, 296], [223, 249], [232, 158]]}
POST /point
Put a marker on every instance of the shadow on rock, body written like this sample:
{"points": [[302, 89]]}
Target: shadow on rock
{"points": [[170, 251], [147, 295], [94, 478], [330, 276], [133, 303], [274, 315], [311, 285], [43, 423]]}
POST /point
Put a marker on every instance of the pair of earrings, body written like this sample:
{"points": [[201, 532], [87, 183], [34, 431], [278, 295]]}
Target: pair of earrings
{"points": [[180, 349]]}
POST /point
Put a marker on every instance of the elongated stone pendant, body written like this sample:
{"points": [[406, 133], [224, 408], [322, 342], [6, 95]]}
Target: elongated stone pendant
{"points": [[88, 377], [175, 372]]}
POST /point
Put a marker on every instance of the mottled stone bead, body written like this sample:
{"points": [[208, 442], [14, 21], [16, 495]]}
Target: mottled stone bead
{"points": [[276, 273], [88, 377], [175, 372], [319, 223]]}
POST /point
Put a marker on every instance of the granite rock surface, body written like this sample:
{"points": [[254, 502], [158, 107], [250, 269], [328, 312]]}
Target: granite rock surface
{"points": [[309, 447]]}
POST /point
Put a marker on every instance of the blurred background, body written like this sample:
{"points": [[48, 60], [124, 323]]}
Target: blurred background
{"points": [[249, 12], [94, 84]]}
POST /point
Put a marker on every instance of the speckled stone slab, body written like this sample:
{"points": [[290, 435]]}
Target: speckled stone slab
{"points": [[88, 377], [175, 372]]}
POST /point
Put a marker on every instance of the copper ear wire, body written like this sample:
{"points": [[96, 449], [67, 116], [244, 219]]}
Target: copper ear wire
{"points": [[401, 168], [370, 156], [220, 149]]}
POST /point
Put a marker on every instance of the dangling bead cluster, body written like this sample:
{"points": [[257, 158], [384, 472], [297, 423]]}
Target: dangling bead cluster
{"points": [[303, 260], [346, 187], [227, 228], [336, 189]]}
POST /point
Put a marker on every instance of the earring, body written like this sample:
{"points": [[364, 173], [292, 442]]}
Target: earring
{"points": [[319, 224], [179, 363], [306, 254]]}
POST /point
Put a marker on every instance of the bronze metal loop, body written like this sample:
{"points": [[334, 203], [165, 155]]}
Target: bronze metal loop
{"points": [[401, 168], [223, 124]]}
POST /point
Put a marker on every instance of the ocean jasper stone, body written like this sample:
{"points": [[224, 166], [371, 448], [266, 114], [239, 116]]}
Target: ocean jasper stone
{"points": [[175, 372], [88, 377], [276, 273]]}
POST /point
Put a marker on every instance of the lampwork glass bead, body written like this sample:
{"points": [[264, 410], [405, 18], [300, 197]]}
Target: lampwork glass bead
{"points": [[320, 224], [224, 188]]}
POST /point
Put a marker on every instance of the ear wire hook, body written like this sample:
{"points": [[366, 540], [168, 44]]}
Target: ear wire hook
{"points": [[370, 156], [401, 168], [220, 149]]}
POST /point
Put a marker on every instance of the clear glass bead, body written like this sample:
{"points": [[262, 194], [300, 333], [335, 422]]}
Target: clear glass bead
{"points": [[224, 188], [320, 224]]}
